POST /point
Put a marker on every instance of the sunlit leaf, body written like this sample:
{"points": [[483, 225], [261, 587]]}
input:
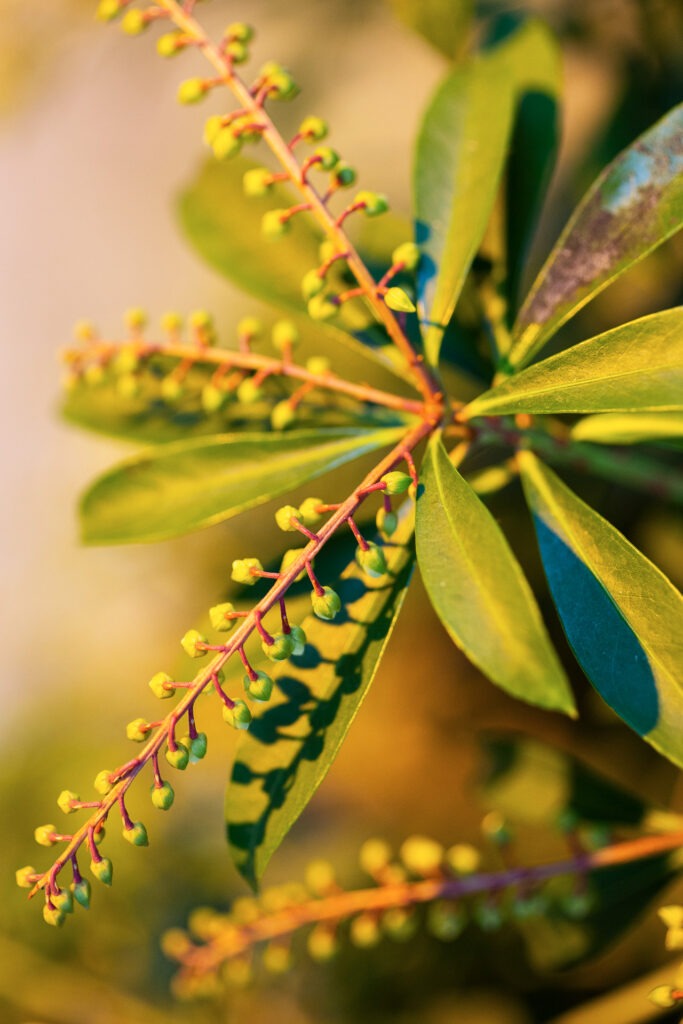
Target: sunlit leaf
{"points": [[290, 747], [479, 590], [622, 616], [634, 206], [167, 491], [635, 367], [629, 428]]}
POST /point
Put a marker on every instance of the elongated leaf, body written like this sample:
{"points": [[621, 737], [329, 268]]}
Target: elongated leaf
{"points": [[622, 616], [443, 23], [290, 747], [637, 367], [182, 486], [479, 590], [629, 428], [634, 206]]}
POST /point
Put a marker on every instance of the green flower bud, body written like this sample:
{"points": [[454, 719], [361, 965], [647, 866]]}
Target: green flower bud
{"points": [[396, 483], [136, 835], [175, 943], [281, 86], [322, 944], [43, 835], [197, 745], [277, 958], [107, 10], [53, 916], [288, 558], [321, 307], [445, 921], [171, 322], [364, 931], [170, 44], [160, 685], [298, 638], [577, 905], [63, 900], [387, 522], [128, 386], [212, 126], [103, 783], [308, 511], [240, 31], [171, 389], [422, 856], [238, 972], [190, 641], [463, 859], [328, 157], [531, 905], [282, 415], [163, 796], [260, 688], [663, 996], [408, 254], [275, 223], [397, 299], [489, 916], [327, 250], [242, 570], [65, 799], [318, 365], [373, 202], [283, 518], [227, 143], [374, 856], [205, 924], [237, 52], [372, 560], [314, 128], [327, 604], [192, 90], [238, 716], [137, 730], [212, 398], [344, 176], [134, 23], [495, 828], [24, 876], [280, 649], [200, 320], [81, 892], [218, 614], [102, 870], [312, 284], [257, 182], [285, 335], [249, 391], [178, 758], [320, 877]]}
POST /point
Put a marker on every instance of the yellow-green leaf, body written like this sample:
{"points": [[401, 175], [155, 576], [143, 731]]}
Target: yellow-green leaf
{"points": [[629, 428]]}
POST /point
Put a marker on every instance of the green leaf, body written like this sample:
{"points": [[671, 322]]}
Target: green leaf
{"points": [[634, 206], [185, 485], [629, 428], [622, 616], [290, 747], [443, 23], [635, 367], [479, 590]]}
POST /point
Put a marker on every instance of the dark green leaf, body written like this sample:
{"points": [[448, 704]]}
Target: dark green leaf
{"points": [[479, 590], [182, 486], [622, 616], [635, 367], [634, 206], [290, 747], [629, 428]]}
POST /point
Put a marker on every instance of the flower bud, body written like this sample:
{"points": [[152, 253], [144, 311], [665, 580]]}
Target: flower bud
{"points": [[398, 300], [179, 757], [445, 920], [312, 284], [281, 86], [488, 915], [43, 835], [322, 944], [280, 649], [257, 182], [671, 915], [249, 391], [327, 249], [344, 176], [387, 522], [175, 943], [134, 23], [237, 52], [373, 202], [107, 10], [577, 905], [275, 223], [81, 892], [94, 374], [227, 143], [238, 716], [136, 834], [102, 870], [161, 685], [277, 957], [328, 158], [218, 617], [163, 796], [240, 31], [313, 128], [364, 931], [53, 916], [103, 783], [298, 638], [320, 878], [170, 44], [321, 307], [63, 900], [241, 570], [374, 856], [396, 483], [126, 360], [288, 558], [284, 516], [190, 641], [197, 745], [285, 335], [408, 254], [422, 856], [200, 320], [128, 386], [25, 876], [171, 389], [463, 859], [282, 415], [65, 800], [137, 730], [372, 560], [192, 90], [663, 996], [260, 688], [327, 604], [212, 398], [308, 511]]}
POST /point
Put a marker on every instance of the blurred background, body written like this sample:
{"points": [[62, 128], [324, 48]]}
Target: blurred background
{"points": [[94, 150]]}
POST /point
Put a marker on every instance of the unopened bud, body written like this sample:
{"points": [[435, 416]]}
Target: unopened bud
{"points": [[81, 892], [54, 916], [371, 560], [320, 878], [238, 716], [134, 22], [396, 482], [408, 254], [102, 870], [163, 796], [387, 522], [282, 415], [240, 31], [103, 783], [136, 834], [65, 801], [318, 365], [260, 688], [191, 642], [212, 398], [463, 859], [445, 920], [397, 300], [25, 876], [344, 176], [284, 335], [288, 558], [280, 649], [137, 730], [242, 570], [313, 128], [284, 516], [249, 392], [277, 957], [309, 511], [107, 10], [322, 944], [161, 685], [171, 389], [179, 757], [63, 899], [220, 619], [192, 90], [321, 307], [170, 44], [257, 182], [298, 638], [328, 158], [43, 835], [663, 996], [364, 931], [373, 202], [275, 223], [374, 856], [327, 604], [422, 856], [227, 143]]}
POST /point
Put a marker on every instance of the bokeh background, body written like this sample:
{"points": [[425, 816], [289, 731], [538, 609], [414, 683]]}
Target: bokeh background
{"points": [[94, 150]]}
